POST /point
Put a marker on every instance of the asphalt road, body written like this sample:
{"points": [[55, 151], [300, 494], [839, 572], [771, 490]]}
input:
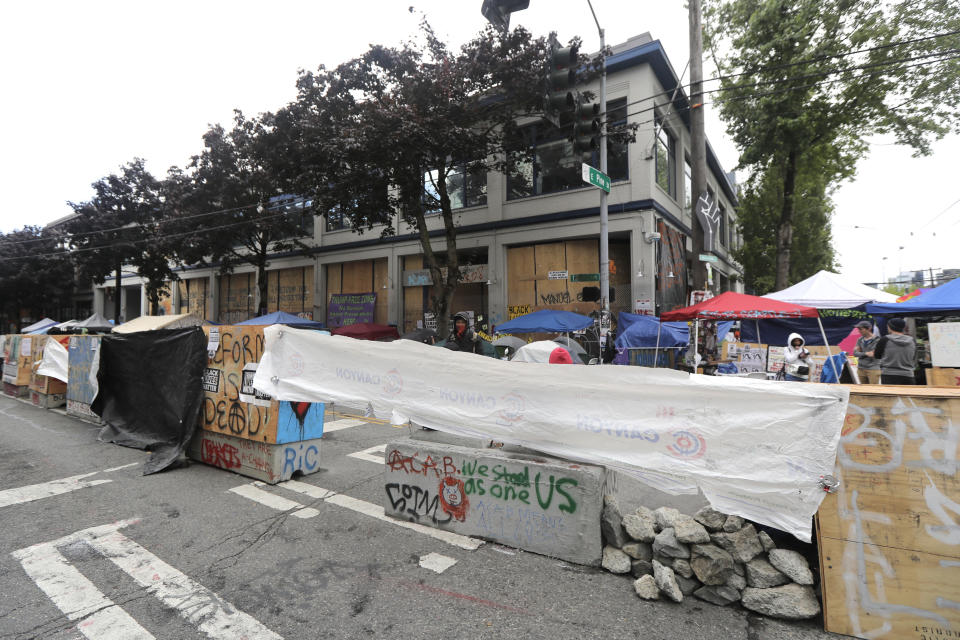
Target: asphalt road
{"points": [[186, 554]]}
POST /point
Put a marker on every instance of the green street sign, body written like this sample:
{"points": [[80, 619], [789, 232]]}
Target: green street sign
{"points": [[707, 257], [584, 277], [595, 177]]}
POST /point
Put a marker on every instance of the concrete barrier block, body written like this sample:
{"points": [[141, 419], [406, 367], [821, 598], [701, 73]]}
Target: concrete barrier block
{"points": [[82, 410], [532, 502], [48, 400], [15, 391], [271, 463]]}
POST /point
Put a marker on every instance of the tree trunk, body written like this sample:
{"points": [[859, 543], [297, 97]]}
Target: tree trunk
{"points": [[262, 286], [117, 289], [785, 227]]}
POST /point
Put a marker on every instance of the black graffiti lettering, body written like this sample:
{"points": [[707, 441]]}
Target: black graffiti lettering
{"points": [[555, 298], [415, 502]]}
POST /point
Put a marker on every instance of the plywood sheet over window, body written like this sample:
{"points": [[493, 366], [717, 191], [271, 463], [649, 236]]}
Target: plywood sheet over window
{"points": [[238, 297], [291, 290], [193, 296], [361, 276]]}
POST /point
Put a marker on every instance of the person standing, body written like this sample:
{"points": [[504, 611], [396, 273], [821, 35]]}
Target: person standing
{"points": [[897, 354], [796, 359], [868, 368], [462, 338]]}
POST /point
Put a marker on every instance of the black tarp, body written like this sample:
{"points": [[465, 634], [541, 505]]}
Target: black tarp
{"points": [[150, 391]]}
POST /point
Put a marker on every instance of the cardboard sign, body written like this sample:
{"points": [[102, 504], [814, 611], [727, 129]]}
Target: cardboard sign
{"points": [[350, 308]]}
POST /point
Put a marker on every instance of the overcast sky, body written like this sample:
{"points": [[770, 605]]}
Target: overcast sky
{"points": [[90, 85]]}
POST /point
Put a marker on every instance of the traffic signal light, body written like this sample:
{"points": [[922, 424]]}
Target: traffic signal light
{"points": [[497, 12], [560, 102], [586, 126]]}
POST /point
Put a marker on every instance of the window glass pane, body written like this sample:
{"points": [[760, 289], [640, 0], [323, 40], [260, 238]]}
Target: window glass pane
{"points": [[557, 168], [520, 181], [431, 197], [455, 189], [617, 167], [687, 185], [664, 152], [722, 235]]}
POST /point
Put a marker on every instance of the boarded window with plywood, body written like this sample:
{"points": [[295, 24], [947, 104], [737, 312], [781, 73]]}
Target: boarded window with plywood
{"points": [[361, 276], [193, 296], [529, 286], [291, 290], [238, 293]]}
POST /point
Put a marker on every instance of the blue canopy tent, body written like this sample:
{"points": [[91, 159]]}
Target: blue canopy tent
{"points": [[942, 300], [282, 317], [645, 332], [546, 321]]}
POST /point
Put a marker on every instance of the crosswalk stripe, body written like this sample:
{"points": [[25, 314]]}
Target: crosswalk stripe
{"points": [[367, 454], [268, 499], [306, 489], [337, 425], [77, 597], [436, 562], [47, 489]]}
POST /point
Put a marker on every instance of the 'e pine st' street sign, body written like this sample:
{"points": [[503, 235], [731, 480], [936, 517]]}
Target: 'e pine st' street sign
{"points": [[595, 177]]}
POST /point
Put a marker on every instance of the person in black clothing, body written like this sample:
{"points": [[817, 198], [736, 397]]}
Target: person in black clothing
{"points": [[462, 338]]}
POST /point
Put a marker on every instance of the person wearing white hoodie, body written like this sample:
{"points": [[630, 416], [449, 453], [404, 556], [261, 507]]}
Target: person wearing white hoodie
{"points": [[796, 359]]}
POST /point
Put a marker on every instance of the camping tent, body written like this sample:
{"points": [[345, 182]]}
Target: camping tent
{"points": [[540, 351], [96, 322], [366, 331], [828, 290], [739, 306], [546, 321], [149, 323], [635, 331], [942, 300], [282, 317], [46, 323]]}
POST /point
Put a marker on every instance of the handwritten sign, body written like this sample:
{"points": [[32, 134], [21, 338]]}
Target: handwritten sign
{"points": [[945, 344], [556, 275], [350, 308]]}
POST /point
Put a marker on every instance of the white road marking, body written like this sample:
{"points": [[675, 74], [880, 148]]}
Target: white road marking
{"points": [[268, 499], [360, 506], [367, 454], [210, 613], [306, 489], [337, 425], [47, 489], [376, 511], [306, 512], [436, 562], [76, 596]]}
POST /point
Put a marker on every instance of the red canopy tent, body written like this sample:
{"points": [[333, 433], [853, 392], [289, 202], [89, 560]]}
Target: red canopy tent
{"points": [[740, 306], [366, 331]]}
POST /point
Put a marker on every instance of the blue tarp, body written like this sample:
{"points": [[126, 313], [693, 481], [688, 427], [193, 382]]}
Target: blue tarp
{"points": [[282, 317], [639, 332], [944, 299], [829, 373], [546, 321]]}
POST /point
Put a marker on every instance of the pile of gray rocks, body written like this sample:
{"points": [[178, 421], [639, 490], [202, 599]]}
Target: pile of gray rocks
{"points": [[714, 557]]}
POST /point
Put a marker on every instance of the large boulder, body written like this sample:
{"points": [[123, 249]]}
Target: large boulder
{"points": [[736, 581], [615, 561], [792, 564], [744, 544], [711, 564], [682, 567], [665, 517], [766, 541], [640, 527], [667, 582], [687, 585], [646, 587], [641, 568], [611, 523], [666, 544], [790, 602], [638, 550], [710, 518], [763, 575], [733, 523], [718, 594], [689, 531]]}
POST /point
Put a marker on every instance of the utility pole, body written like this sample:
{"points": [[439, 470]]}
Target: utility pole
{"points": [[604, 230], [698, 140]]}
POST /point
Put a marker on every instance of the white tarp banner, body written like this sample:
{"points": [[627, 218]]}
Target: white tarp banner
{"points": [[755, 448], [54, 361]]}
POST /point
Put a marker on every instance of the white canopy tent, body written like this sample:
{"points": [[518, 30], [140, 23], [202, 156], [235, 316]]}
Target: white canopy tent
{"points": [[828, 290]]}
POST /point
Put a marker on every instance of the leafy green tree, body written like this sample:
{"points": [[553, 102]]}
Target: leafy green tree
{"points": [[232, 202], [124, 224], [36, 275], [810, 77], [397, 136]]}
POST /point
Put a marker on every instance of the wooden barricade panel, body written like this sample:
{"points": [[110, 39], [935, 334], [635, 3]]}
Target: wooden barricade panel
{"points": [[45, 384], [943, 377], [889, 538], [83, 364], [17, 360], [232, 407]]}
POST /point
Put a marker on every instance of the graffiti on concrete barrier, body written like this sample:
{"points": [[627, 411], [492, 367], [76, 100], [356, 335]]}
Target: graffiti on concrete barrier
{"points": [[221, 455], [417, 502], [453, 499]]}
